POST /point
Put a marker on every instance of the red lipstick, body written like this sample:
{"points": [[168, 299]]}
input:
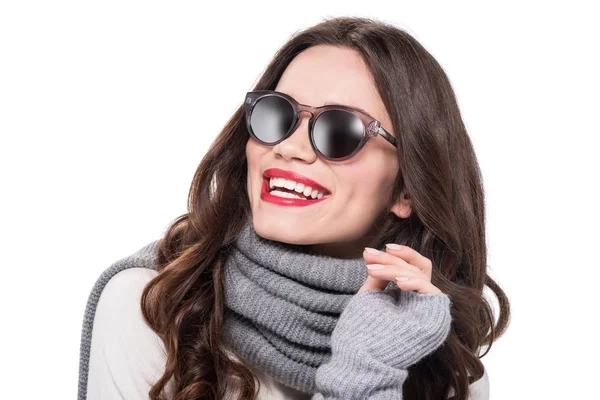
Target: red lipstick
{"points": [[285, 201], [296, 177]]}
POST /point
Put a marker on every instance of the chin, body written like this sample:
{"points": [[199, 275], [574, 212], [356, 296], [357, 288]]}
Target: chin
{"points": [[273, 228]]}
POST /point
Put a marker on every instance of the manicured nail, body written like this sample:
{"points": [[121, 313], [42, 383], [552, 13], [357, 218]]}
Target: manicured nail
{"points": [[393, 246], [402, 278], [372, 251], [375, 266]]}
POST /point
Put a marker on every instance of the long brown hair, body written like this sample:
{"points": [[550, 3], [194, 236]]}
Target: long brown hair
{"points": [[184, 303]]}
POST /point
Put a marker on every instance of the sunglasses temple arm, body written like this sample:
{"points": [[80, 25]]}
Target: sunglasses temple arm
{"points": [[386, 135]]}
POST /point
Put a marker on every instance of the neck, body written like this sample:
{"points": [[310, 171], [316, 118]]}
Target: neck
{"points": [[349, 249]]}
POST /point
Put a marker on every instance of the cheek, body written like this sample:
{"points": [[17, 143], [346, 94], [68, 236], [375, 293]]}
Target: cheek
{"points": [[365, 189], [249, 150], [254, 154], [355, 189], [252, 163], [253, 151]]}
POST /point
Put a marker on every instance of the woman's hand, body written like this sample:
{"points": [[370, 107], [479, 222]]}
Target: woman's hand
{"points": [[381, 333], [386, 266]]}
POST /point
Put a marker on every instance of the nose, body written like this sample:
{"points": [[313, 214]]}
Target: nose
{"points": [[297, 145]]}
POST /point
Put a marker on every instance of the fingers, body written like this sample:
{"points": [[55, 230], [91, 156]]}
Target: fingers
{"points": [[372, 283], [379, 279], [391, 272], [383, 257], [411, 256], [420, 285], [413, 269]]}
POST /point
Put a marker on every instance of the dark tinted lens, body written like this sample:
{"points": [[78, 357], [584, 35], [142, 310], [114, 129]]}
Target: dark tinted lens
{"points": [[271, 118], [337, 133]]}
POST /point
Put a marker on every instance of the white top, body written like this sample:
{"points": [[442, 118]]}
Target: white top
{"points": [[127, 357]]}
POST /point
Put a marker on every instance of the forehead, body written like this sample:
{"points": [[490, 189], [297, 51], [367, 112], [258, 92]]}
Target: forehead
{"points": [[322, 74]]}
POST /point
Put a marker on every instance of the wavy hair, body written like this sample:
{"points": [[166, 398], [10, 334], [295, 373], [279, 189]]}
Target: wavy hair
{"points": [[184, 303]]}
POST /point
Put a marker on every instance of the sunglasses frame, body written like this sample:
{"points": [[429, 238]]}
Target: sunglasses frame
{"points": [[371, 126]]}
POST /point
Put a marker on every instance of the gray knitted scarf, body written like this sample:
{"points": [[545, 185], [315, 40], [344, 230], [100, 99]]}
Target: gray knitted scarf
{"points": [[283, 302]]}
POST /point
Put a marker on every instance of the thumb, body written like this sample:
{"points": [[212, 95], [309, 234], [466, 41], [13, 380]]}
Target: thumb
{"points": [[373, 284]]}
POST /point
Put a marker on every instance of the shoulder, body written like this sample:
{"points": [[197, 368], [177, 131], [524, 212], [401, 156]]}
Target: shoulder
{"points": [[120, 298], [119, 314], [126, 355], [121, 285], [480, 389]]}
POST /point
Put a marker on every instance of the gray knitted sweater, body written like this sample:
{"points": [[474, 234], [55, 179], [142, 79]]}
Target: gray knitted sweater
{"points": [[370, 351]]}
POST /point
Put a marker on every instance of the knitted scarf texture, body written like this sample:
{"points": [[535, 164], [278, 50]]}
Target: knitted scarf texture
{"points": [[283, 302]]}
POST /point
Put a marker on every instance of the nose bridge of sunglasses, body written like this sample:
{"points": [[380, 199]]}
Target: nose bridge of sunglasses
{"points": [[311, 116], [298, 123]]}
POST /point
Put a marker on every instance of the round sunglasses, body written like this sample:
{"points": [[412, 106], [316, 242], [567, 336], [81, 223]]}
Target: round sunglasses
{"points": [[336, 132]]}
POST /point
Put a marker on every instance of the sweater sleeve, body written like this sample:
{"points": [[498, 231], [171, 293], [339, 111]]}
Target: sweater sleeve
{"points": [[126, 356], [377, 337]]}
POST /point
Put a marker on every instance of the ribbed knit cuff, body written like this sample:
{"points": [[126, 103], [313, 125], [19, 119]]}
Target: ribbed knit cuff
{"points": [[377, 337]]}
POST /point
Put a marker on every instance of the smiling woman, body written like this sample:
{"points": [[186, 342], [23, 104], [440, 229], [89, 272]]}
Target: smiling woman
{"points": [[277, 282], [361, 184]]}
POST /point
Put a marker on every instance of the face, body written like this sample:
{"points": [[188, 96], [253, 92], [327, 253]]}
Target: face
{"points": [[359, 188]]}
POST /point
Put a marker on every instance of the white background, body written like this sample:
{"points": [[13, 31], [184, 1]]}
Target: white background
{"points": [[106, 109]]}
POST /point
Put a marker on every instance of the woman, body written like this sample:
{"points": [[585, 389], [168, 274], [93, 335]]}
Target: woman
{"points": [[272, 285]]}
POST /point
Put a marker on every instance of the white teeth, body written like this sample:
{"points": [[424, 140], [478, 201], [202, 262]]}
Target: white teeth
{"points": [[288, 195], [307, 191], [291, 185]]}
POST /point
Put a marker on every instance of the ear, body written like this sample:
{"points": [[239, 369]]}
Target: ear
{"points": [[402, 207]]}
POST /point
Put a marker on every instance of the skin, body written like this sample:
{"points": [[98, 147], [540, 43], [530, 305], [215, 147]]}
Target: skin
{"points": [[342, 225]]}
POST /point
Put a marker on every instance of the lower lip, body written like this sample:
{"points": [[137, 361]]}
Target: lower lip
{"points": [[286, 201]]}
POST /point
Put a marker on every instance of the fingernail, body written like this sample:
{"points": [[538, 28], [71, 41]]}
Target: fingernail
{"points": [[372, 251], [402, 278], [375, 266], [393, 246]]}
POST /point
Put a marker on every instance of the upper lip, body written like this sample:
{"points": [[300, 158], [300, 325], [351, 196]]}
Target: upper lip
{"points": [[294, 176]]}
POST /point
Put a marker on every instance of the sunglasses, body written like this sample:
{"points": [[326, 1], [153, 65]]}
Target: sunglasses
{"points": [[336, 132]]}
